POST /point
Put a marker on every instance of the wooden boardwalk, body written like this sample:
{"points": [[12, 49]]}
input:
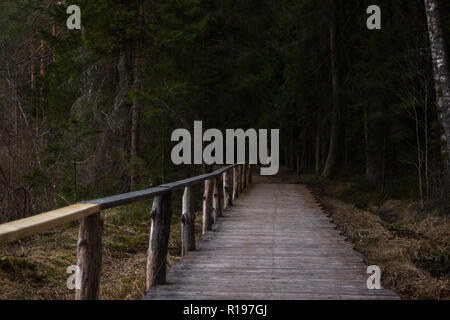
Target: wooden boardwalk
{"points": [[273, 243]]}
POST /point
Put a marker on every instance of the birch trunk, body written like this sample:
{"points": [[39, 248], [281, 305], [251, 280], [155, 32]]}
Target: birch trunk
{"points": [[440, 68]]}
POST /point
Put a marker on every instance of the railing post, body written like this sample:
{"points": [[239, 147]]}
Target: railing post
{"points": [[159, 240], [207, 205], [244, 176], [217, 203], [227, 201], [89, 257], [241, 175], [187, 223], [221, 195], [235, 182], [231, 187]]}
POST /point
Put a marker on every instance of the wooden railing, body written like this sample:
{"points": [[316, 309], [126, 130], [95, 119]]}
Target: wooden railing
{"points": [[221, 187]]}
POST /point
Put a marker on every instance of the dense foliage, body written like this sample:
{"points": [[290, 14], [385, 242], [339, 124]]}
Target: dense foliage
{"points": [[89, 113]]}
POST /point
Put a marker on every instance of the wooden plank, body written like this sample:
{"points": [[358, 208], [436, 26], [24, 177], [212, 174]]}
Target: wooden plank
{"points": [[273, 243], [22, 228]]}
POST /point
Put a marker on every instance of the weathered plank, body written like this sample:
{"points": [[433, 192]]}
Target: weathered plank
{"points": [[273, 243], [22, 228]]}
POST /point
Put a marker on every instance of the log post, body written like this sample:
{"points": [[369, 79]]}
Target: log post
{"points": [[207, 205], [227, 201], [221, 196], [230, 185], [89, 257], [250, 174], [187, 223], [217, 203], [159, 240], [241, 178], [244, 176], [235, 183]]}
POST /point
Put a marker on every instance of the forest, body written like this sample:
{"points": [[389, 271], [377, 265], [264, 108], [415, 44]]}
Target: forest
{"points": [[89, 113]]}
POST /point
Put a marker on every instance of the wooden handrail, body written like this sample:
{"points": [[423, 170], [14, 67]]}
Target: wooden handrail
{"points": [[222, 186], [22, 228], [130, 197]]}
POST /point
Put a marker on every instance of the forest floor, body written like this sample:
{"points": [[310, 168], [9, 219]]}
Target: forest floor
{"points": [[36, 268], [411, 246]]}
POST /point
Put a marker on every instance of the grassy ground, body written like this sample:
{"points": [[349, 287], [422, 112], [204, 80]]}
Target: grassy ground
{"points": [[411, 246], [36, 268]]}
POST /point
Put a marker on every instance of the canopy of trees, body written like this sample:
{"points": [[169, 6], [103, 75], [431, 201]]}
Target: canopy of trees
{"points": [[86, 113]]}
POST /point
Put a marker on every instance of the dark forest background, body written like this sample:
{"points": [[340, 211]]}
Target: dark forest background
{"points": [[89, 113]]}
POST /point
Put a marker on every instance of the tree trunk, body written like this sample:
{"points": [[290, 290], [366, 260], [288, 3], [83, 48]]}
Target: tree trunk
{"points": [[135, 108], [42, 68], [317, 146], [32, 67], [292, 151], [53, 50], [370, 169], [332, 150], [440, 68], [286, 151]]}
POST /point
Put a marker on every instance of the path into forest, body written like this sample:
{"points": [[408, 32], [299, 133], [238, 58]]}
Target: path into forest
{"points": [[273, 243]]}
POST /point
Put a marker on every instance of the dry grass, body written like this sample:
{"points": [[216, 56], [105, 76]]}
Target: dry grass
{"points": [[411, 246], [414, 256]]}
